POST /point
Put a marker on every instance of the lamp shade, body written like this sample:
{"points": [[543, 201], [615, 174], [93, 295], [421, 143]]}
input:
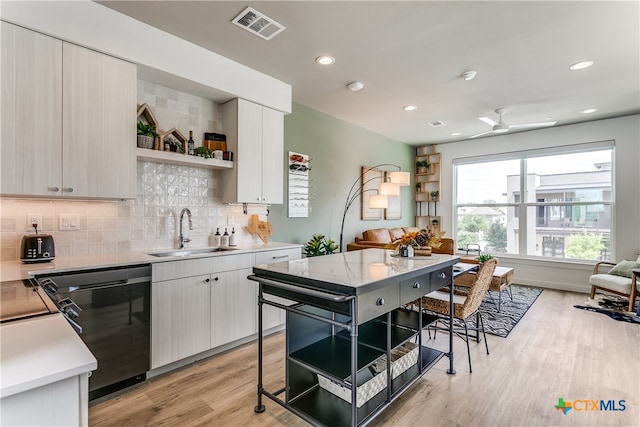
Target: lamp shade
{"points": [[389, 189], [378, 202], [401, 178]]}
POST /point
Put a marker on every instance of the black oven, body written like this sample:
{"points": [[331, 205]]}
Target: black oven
{"points": [[112, 306]]}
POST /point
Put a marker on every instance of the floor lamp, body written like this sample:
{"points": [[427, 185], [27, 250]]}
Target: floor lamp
{"points": [[397, 179]]}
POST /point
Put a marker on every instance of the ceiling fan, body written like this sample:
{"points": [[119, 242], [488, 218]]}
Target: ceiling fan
{"points": [[501, 127]]}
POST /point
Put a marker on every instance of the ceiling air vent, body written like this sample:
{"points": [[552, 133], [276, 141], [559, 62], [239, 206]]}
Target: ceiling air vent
{"points": [[258, 24], [436, 124]]}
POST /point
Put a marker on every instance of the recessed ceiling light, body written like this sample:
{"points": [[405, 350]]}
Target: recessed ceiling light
{"points": [[468, 75], [325, 60], [355, 86], [581, 65], [455, 133], [589, 111], [410, 107]]}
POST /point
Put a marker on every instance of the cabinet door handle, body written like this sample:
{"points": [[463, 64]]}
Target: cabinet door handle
{"points": [[280, 257], [207, 280], [215, 278], [442, 275], [54, 189], [380, 301], [68, 190], [416, 285]]}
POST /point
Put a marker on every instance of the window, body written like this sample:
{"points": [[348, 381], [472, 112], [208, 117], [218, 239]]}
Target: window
{"points": [[550, 203]]}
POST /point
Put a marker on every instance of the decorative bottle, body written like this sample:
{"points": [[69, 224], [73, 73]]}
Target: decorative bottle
{"points": [[191, 144]]}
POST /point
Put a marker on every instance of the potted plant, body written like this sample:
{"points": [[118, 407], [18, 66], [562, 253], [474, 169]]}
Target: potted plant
{"points": [[146, 135], [174, 144], [434, 222], [418, 186], [319, 245], [484, 257], [423, 166], [434, 195], [203, 152]]}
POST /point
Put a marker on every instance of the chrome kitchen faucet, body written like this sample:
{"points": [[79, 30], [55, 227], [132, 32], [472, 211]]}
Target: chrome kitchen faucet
{"points": [[181, 239]]}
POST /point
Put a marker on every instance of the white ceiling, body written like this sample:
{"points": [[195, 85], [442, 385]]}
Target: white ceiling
{"points": [[414, 52]]}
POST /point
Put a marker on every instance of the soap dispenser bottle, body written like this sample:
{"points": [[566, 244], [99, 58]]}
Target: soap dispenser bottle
{"points": [[225, 238], [216, 239], [233, 238]]}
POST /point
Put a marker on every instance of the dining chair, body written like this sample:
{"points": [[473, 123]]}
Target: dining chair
{"points": [[466, 303]]}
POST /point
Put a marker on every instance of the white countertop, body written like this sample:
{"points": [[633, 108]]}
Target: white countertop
{"points": [[39, 351], [17, 270]]}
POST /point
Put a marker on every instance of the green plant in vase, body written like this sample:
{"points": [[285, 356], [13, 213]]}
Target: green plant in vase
{"points": [[434, 195], [422, 166], [484, 257], [146, 134]]}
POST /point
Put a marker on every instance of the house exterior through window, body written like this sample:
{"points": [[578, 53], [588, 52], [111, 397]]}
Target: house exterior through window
{"points": [[542, 203]]}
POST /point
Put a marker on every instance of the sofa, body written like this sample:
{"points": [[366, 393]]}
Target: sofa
{"points": [[380, 237]]}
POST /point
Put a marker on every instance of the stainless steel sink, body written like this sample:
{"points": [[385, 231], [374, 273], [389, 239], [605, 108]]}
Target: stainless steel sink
{"points": [[188, 252]]}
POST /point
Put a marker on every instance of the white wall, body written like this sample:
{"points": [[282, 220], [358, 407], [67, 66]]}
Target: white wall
{"points": [[563, 274]]}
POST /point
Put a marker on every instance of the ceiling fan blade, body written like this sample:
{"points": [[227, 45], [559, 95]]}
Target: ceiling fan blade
{"points": [[480, 134], [488, 121], [532, 125]]}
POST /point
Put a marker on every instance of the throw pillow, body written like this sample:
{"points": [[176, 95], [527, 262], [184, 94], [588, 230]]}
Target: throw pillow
{"points": [[623, 268]]}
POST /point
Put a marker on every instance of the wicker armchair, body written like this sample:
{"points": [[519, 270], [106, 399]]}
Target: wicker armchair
{"points": [[465, 304]]}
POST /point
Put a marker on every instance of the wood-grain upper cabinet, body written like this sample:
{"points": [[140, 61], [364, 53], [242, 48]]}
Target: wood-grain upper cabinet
{"points": [[99, 124], [68, 119], [31, 144], [256, 135]]}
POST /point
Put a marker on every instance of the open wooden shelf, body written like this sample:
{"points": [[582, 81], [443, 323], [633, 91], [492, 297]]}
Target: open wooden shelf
{"points": [[174, 158]]}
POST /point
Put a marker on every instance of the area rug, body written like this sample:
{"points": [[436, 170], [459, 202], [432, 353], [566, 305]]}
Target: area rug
{"points": [[501, 323], [612, 305]]}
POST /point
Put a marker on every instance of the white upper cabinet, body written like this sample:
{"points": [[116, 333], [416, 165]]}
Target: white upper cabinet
{"points": [[31, 132], [68, 121], [256, 135], [99, 125]]}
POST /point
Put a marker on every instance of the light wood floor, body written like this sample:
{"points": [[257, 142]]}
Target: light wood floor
{"points": [[555, 351]]}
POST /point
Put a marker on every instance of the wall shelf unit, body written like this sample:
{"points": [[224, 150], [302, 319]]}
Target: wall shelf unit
{"points": [[428, 182], [173, 158]]}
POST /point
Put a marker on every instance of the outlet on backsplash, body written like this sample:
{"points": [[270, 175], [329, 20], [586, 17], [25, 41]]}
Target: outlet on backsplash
{"points": [[34, 219]]}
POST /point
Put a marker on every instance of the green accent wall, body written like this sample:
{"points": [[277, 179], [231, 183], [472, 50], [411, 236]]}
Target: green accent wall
{"points": [[337, 150]]}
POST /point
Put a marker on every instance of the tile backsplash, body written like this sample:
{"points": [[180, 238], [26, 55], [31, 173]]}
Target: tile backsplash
{"points": [[150, 222], [146, 224]]}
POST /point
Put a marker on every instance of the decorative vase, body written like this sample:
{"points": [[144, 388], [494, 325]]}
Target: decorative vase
{"points": [[145, 141], [422, 251]]}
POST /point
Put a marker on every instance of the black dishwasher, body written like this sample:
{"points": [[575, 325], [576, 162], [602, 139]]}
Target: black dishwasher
{"points": [[111, 310]]}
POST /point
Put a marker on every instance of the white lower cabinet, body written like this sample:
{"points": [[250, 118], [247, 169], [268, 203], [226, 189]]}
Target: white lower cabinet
{"points": [[199, 304], [180, 318], [233, 307], [272, 316], [62, 403], [203, 303]]}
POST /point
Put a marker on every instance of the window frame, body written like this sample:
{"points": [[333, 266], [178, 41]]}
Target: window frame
{"points": [[523, 206]]}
